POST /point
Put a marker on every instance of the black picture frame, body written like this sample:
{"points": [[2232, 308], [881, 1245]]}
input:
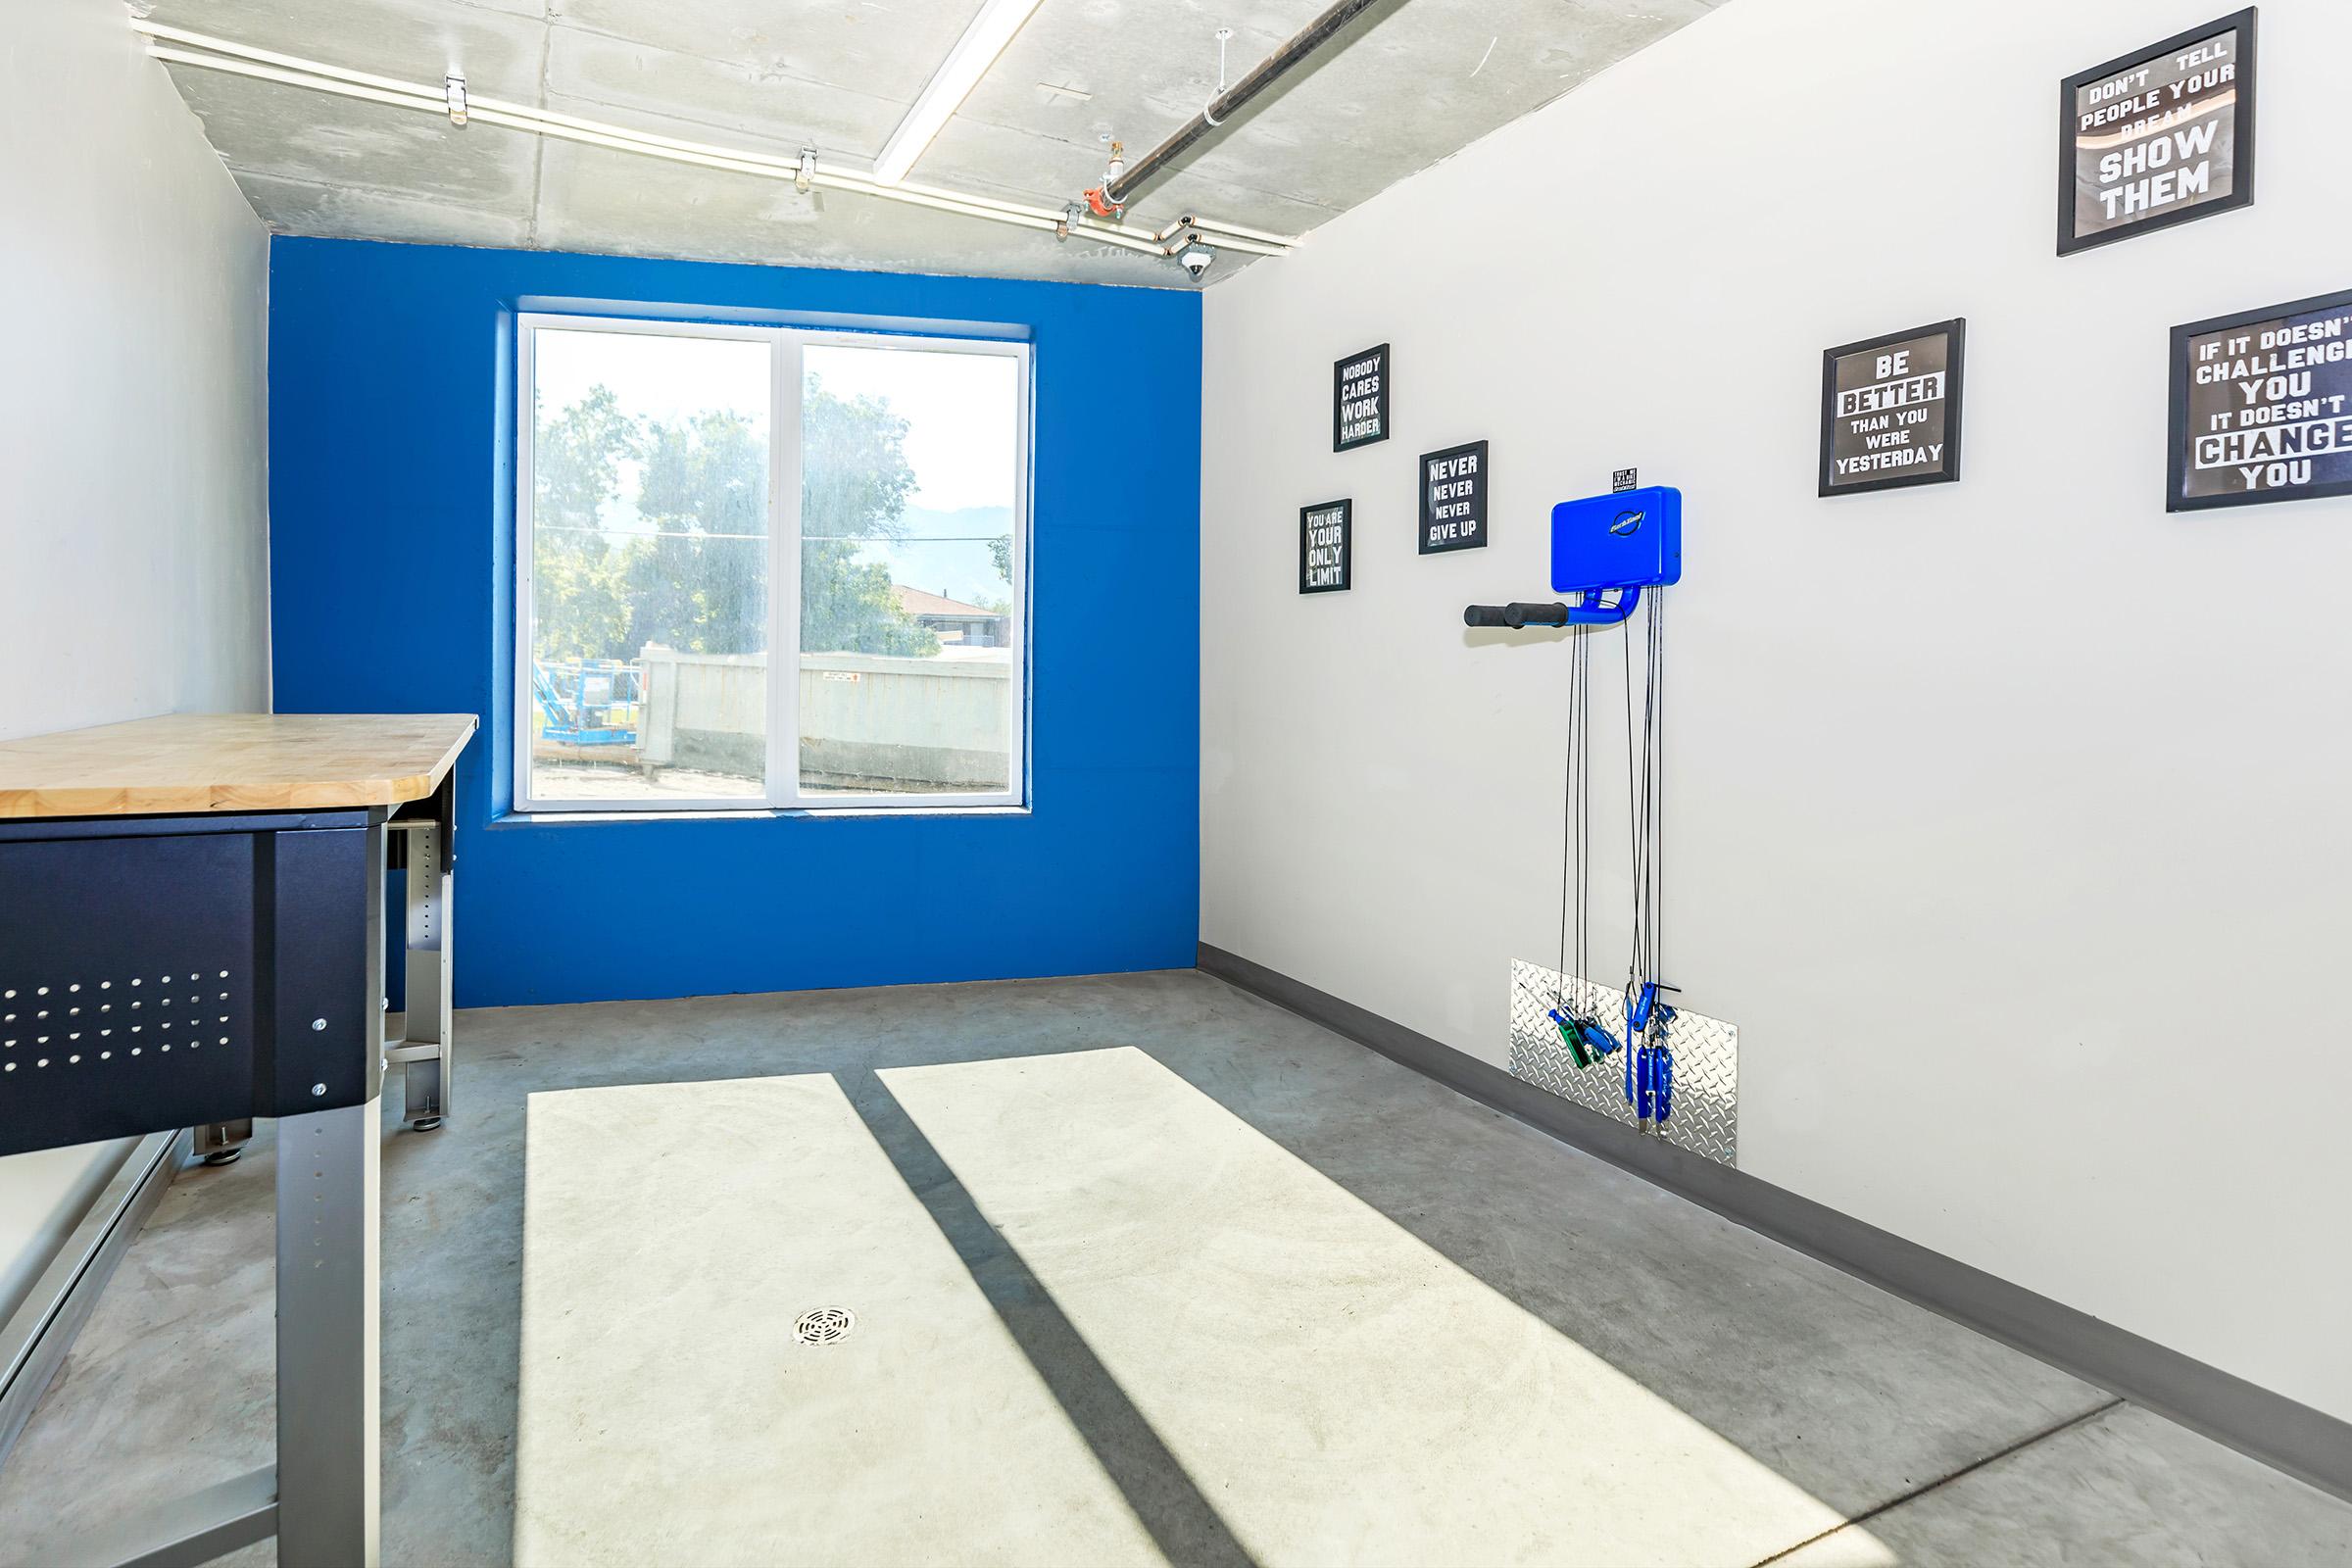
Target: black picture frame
{"points": [[1340, 441], [1480, 478], [2180, 439], [1948, 472], [1346, 507], [2243, 135]]}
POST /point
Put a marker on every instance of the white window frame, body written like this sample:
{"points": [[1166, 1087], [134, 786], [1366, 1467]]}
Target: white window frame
{"points": [[786, 382]]}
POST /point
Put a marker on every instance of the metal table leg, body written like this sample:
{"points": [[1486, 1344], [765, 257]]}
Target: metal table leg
{"points": [[329, 1356], [195, 1529], [421, 845], [425, 1050]]}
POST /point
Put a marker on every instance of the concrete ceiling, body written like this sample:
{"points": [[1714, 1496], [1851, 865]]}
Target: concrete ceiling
{"points": [[1418, 82]]}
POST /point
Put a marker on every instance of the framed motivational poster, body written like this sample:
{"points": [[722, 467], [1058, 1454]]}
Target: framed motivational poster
{"points": [[2262, 406], [1453, 499], [1890, 410], [1326, 547], [1359, 399], [2158, 136]]}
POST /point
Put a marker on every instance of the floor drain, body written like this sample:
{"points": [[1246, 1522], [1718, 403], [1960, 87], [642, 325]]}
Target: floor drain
{"points": [[825, 1325]]}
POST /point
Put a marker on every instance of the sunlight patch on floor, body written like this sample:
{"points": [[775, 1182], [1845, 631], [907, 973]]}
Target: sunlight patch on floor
{"points": [[1301, 1371], [1337, 1388], [673, 1233]]}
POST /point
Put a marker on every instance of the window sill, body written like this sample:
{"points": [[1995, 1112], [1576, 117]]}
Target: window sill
{"points": [[519, 820]]}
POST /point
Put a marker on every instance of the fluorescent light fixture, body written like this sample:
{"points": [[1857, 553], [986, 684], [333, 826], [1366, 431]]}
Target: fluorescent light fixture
{"points": [[957, 74]]}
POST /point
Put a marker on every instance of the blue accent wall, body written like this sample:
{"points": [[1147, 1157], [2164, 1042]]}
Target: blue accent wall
{"points": [[391, 570]]}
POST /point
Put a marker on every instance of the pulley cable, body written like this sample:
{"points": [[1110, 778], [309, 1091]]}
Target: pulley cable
{"points": [[1648, 1067], [1653, 813], [1583, 790], [1580, 1031], [1571, 850]]}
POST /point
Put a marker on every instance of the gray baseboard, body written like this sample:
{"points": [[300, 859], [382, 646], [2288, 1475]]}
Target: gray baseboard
{"points": [[36, 1338], [2307, 1444]]}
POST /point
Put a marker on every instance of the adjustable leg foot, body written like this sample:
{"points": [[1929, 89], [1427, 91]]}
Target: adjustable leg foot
{"points": [[220, 1143]]}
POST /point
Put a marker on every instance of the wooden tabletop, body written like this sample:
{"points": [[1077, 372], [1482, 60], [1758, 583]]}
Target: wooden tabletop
{"points": [[231, 763]]}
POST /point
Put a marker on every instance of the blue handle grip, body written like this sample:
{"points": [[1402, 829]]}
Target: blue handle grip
{"points": [[1649, 1082]]}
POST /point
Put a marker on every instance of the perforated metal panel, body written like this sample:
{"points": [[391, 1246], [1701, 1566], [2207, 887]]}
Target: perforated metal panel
{"points": [[166, 972], [1706, 1060]]}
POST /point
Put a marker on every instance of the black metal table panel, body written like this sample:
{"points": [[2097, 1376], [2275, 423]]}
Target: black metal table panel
{"points": [[158, 972]]}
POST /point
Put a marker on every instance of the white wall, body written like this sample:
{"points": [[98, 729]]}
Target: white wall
{"points": [[133, 510], [2007, 818]]}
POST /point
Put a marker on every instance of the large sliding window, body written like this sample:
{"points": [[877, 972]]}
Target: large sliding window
{"points": [[765, 567]]}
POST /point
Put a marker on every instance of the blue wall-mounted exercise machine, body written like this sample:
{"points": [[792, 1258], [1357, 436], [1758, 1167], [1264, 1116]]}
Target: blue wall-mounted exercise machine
{"points": [[1605, 550], [1621, 544]]}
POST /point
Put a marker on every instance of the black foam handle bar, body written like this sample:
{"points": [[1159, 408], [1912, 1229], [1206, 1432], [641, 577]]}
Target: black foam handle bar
{"points": [[1515, 616]]}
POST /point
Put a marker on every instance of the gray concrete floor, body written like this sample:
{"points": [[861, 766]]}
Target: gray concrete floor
{"points": [[1939, 1446]]}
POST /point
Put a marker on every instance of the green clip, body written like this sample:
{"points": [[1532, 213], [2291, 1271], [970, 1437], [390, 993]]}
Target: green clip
{"points": [[1573, 1038]]}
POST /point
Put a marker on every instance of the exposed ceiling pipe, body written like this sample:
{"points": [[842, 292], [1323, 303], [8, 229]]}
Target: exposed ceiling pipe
{"points": [[1121, 188], [1226, 235], [181, 47]]}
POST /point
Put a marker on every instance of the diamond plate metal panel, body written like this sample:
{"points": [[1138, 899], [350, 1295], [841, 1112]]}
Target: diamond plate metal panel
{"points": [[1706, 1060]]}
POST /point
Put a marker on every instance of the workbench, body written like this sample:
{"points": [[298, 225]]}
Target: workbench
{"points": [[191, 935]]}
